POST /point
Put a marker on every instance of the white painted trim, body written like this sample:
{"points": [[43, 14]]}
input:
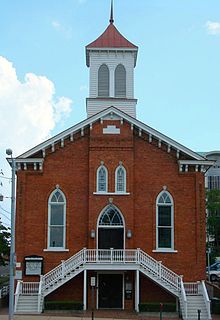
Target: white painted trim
{"points": [[56, 250], [165, 251], [85, 290], [137, 290], [125, 180], [94, 118], [197, 162], [49, 248], [110, 227], [111, 193], [102, 166], [172, 222]]}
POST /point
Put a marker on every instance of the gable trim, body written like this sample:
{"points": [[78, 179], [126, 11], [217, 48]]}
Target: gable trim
{"points": [[113, 111]]}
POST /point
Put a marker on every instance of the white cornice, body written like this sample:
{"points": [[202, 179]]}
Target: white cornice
{"points": [[112, 110], [19, 162]]}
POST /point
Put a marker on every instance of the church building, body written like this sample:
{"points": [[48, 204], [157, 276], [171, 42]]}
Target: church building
{"points": [[111, 205]]}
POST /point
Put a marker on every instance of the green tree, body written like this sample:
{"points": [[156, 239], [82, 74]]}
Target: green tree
{"points": [[213, 221], [4, 243]]}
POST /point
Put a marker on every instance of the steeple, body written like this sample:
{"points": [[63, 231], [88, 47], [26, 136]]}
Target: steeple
{"points": [[111, 14], [111, 59]]}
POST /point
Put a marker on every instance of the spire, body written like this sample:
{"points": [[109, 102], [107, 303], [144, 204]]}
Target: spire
{"points": [[111, 14]]}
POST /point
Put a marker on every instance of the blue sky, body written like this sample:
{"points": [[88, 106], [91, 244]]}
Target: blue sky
{"points": [[44, 78]]}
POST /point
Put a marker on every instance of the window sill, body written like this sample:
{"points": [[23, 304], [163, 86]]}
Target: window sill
{"points": [[56, 250], [165, 251], [112, 193]]}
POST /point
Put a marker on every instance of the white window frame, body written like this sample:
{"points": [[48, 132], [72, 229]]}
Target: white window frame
{"points": [[97, 179], [108, 79], [171, 205], [124, 80], [116, 179], [49, 248]]}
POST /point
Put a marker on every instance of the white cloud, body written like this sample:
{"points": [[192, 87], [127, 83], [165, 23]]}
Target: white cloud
{"points": [[29, 109], [213, 27], [66, 31]]}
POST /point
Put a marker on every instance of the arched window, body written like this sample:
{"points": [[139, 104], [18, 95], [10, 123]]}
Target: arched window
{"points": [[111, 217], [102, 179], [120, 179], [165, 227], [56, 219], [120, 81], [110, 229], [103, 81]]}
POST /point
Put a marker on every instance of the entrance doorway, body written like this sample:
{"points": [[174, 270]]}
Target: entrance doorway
{"points": [[110, 229], [110, 292], [111, 238]]}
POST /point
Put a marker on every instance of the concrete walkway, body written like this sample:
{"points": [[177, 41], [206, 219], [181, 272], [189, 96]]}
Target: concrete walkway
{"points": [[98, 315]]}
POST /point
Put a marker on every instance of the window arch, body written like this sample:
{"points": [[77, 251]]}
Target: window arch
{"points": [[56, 219], [165, 221], [120, 179], [111, 217], [103, 81], [102, 179], [120, 81]]}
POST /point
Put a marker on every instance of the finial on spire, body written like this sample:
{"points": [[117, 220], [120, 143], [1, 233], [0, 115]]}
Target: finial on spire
{"points": [[111, 14]]}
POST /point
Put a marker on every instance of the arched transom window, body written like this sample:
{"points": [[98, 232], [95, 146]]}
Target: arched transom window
{"points": [[102, 179], [120, 81], [103, 81], [111, 217], [165, 225], [56, 219], [120, 179]]}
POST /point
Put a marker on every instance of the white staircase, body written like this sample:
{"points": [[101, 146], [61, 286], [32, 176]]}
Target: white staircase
{"points": [[27, 304], [29, 296]]}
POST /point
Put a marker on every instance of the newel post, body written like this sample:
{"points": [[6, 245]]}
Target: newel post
{"points": [[138, 255], [63, 268], [159, 269]]}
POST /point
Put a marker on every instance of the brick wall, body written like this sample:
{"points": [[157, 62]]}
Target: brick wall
{"points": [[149, 168]]}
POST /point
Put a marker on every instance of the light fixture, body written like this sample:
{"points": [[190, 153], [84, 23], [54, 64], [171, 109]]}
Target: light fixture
{"points": [[129, 234], [92, 234]]}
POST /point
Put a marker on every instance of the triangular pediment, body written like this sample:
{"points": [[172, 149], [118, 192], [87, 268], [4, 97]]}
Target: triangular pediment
{"points": [[108, 114]]}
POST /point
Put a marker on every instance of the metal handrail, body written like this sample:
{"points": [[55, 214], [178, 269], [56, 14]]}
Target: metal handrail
{"points": [[184, 299]]}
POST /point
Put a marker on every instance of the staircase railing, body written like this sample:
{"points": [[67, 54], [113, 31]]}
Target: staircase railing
{"points": [[184, 299], [39, 307], [157, 269], [101, 256], [29, 288], [191, 288], [63, 269], [206, 298]]}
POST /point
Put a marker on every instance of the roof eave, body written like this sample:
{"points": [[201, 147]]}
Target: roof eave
{"points": [[123, 115], [123, 49]]}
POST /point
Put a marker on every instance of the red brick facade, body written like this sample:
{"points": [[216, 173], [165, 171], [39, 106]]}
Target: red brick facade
{"points": [[148, 169]]}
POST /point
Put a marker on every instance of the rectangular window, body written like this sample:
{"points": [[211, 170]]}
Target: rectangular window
{"points": [[164, 227]]}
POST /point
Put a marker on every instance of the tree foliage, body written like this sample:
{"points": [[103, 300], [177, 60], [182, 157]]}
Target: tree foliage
{"points": [[4, 243]]}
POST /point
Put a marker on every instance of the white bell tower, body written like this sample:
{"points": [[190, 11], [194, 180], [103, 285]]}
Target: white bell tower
{"points": [[111, 59]]}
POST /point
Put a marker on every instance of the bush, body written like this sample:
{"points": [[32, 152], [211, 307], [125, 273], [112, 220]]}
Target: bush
{"points": [[155, 307], [63, 305]]}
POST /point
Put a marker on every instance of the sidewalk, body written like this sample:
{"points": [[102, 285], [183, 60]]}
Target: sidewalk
{"points": [[99, 315]]}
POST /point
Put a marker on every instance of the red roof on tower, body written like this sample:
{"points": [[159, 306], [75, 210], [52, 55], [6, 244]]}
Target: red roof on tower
{"points": [[111, 38]]}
